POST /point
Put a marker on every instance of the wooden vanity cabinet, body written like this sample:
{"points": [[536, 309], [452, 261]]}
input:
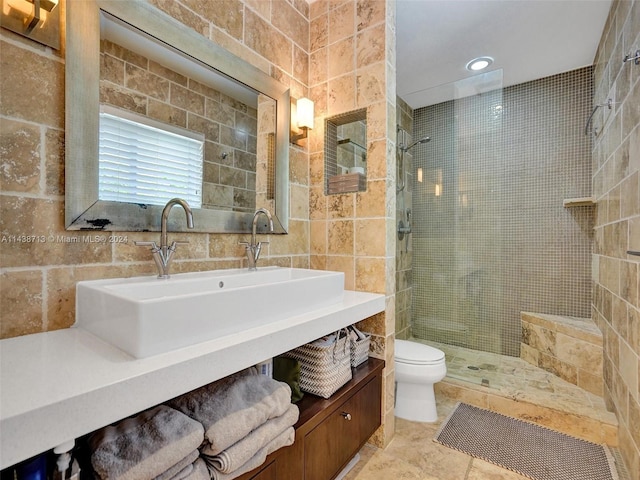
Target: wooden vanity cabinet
{"points": [[330, 431], [330, 446], [267, 473]]}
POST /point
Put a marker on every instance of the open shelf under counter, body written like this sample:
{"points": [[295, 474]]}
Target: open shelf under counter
{"points": [[58, 386]]}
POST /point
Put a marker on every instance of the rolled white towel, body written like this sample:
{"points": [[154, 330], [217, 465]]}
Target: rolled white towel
{"points": [[241, 452], [285, 439], [144, 446], [234, 406], [176, 472]]}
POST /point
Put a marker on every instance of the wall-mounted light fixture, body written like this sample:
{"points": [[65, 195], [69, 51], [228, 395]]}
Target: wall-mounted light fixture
{"points": [[38, 20], [302, 118]]}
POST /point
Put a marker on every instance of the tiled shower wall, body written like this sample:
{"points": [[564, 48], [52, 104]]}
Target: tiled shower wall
{"points": [[616, 188], [491, 235], [404, 246]]}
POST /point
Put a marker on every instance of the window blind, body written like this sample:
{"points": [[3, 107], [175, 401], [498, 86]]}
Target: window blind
{"points": [[144, 163]]}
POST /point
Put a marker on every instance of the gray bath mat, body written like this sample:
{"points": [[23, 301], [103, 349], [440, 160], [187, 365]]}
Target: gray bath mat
{"points": [[535, 452]]}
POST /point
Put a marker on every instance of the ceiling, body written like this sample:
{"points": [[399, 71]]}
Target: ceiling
{"points": [[528, 39]]}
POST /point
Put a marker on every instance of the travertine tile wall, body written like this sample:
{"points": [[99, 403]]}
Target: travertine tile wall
{"points": [[37, 279], [352, 66], [404, 247], [351, 44], [616, 188]]}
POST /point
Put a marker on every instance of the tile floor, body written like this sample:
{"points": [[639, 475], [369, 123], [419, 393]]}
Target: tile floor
{"points": [[513, 386], [413, 455], [514, 377]]}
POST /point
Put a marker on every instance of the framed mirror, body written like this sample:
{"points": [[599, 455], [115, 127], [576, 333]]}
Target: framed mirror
{"points": [[134, 72]]}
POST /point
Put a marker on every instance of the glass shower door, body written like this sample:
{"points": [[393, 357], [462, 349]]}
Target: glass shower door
{"points": [[458, 292]]}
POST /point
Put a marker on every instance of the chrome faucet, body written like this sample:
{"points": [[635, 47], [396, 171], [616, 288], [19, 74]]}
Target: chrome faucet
{"points": [[163, 254], [252, 249]]}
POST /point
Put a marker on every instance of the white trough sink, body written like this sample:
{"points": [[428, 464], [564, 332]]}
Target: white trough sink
{"points": [[146, 316]]}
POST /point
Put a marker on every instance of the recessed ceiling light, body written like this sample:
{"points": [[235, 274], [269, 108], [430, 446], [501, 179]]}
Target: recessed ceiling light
{"points": [[479, 63]]}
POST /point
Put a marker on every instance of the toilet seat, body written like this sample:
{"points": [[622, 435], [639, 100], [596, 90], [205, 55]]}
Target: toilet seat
{"points": [[414, 353]]}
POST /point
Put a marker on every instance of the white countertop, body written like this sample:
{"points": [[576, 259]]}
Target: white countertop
{"points": [[57, 386]]}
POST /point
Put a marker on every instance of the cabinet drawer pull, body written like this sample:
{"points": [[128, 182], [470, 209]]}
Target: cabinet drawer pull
{"points": [[347, 416]]}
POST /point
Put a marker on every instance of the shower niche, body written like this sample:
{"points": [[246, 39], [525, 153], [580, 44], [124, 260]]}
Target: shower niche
{"points": [[345, 152]]}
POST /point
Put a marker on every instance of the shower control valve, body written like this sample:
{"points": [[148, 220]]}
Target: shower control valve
{"points": [[403, 230]]}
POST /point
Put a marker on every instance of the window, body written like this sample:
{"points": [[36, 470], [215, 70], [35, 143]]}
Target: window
{"points": [[145, 161]]}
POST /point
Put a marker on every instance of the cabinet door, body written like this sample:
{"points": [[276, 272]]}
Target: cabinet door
{"points": [[330, 446], [268, 473]]}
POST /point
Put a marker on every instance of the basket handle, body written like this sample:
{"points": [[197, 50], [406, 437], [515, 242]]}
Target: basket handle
{"points": [[335, 345]]}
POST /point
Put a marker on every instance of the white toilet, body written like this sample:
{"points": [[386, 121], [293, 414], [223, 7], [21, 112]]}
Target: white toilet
{"points": [[417, 367]]}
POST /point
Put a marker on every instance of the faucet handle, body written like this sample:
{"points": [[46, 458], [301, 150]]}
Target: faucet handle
{"points": [[175, 244], [153, 245]]}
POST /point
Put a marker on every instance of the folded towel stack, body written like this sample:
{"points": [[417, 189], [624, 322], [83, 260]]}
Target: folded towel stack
{"points": [[245, 417], [181, 469], [196, 471], [158, 443], [231, 408], [252, 450]]}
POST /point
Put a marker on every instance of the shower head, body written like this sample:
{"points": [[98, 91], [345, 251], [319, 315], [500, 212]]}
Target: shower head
{"points": [[404, 148]]}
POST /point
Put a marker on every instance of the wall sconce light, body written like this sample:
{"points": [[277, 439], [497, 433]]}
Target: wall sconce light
{"points": [[420, 174], [302, 118], [38, 20]]}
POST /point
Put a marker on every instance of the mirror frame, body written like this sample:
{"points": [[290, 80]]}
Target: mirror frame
{"points": [[83, 210]]}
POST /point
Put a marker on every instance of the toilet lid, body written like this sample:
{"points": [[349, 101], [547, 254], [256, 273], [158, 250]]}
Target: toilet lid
{"points": [[417, 353]]}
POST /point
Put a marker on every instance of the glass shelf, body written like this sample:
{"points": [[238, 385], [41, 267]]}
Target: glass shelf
{"points": [[353, 148]]}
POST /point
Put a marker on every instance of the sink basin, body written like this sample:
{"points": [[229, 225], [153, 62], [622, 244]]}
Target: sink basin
{"points": [[146, 316]]}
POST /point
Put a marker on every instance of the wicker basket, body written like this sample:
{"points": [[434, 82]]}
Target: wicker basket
{"points": [[360, 350], [324, 369]]}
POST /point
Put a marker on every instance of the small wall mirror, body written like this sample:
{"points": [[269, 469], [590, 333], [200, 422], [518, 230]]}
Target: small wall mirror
{"points": [[346, 152], [156, 111]]}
